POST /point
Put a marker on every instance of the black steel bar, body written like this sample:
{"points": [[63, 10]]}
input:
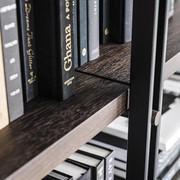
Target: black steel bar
{"points": [[158, 85], [145, 18]]}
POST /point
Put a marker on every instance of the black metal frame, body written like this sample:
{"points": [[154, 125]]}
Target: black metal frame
{"points": [[158, 85], [147, 61]]}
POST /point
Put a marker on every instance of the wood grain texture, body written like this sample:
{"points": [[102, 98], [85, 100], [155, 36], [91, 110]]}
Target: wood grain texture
{"points": [[50, 131], [113, 64]]}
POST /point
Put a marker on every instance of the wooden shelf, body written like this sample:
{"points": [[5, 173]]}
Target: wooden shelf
{"points": [[50, 131], [114, 63]]}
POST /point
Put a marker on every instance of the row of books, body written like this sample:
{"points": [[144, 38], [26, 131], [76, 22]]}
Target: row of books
{"points": [[105, 156], [89, 162], [42, 42]]}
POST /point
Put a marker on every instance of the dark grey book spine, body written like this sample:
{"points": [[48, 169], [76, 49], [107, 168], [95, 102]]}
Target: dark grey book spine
{"points": [[93, 29], [54, 37], [8, 20], [65, 72], [75, 34], [121, 20], [82, 32], [104, 21], [27, 48], [128, 20]]}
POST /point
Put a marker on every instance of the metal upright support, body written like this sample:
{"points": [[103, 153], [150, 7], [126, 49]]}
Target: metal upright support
{"points": [[158, 85], [145, 19]]}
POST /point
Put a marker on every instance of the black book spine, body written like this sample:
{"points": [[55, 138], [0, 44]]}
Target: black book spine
{"points": [[116, 17], [66, 56], [112, 140], [46, 49], [55, 48], [121, 20], [104, 21], [82, 32], [27, 48], [93, 29], [8, 20], [75, 34]]}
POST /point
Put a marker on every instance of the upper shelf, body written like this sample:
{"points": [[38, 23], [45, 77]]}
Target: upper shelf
{"points": [[114, 63], [50, 131]]}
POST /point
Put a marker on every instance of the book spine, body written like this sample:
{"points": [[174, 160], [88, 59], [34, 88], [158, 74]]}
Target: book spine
{"points": [[116, 18], [100, 171], [66, 65], [82, 32], [93, 29], [75, 34], [104, 21], [87, 175], [4, 117], [109, 166], [11, 58], [128, 20], [27, 48], [46, 47]]}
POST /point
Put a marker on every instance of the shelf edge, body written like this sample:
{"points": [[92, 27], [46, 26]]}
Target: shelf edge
{"points": [[42, 164]]}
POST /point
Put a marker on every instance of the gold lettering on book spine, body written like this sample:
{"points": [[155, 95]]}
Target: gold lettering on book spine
{"points": [[32, 77], [68, 61]]}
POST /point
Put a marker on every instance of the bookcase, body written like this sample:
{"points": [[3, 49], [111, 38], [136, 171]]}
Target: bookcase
{"points": [[132, 80]]}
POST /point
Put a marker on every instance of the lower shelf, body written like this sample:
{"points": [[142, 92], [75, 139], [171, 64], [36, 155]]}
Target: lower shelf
{"points": [[50, 131]]}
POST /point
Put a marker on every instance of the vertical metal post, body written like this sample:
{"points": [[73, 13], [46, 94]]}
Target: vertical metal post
{"points": [[145, 16], [158, 85]]}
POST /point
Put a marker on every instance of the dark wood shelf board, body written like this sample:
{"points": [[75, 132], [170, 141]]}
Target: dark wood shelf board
{"points": [[50, 131], [113, 64]]}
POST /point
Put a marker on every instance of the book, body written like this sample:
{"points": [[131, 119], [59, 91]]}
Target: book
{"points": [[105, 21], [56, 175], [120, 164], [166, 158], [96, 164], [170, 127], [169, 133], [54, 34], [119, 152], [121, 20], [93, 29], [10, 48], [82, 32], [171, 171], [27, 49], [76, 171], [120, 173], [4, 116], [106, 154], [75, 34]]}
